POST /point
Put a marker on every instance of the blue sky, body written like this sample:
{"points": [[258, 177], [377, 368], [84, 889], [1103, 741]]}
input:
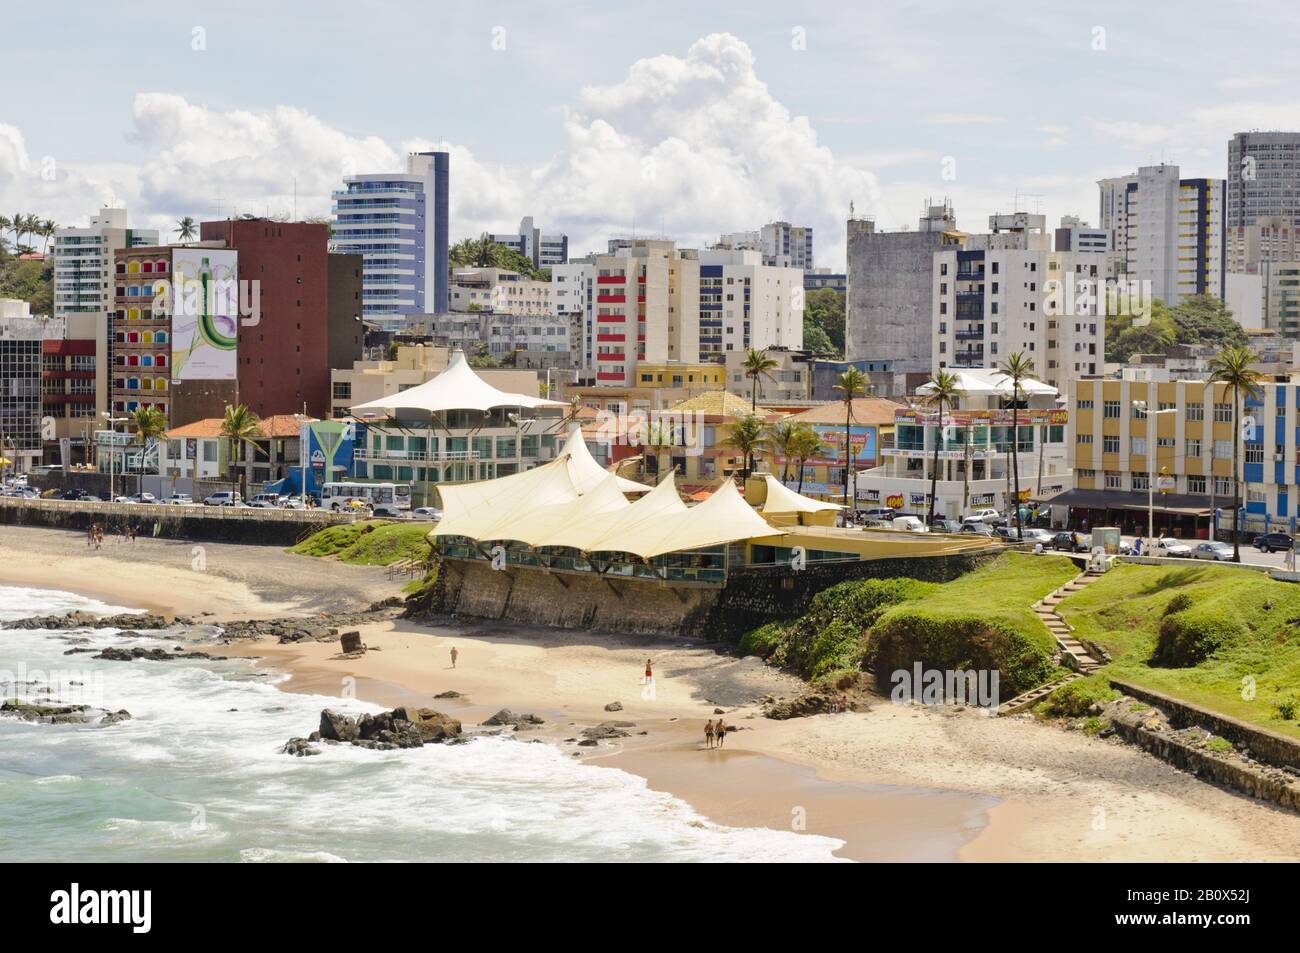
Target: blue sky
{"points": [[736, 113]]}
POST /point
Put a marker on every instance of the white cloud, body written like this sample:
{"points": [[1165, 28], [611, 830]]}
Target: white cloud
{"points": [[963, 119], [693, 146]]}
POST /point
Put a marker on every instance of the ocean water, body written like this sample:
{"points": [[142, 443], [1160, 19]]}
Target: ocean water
{"points": [[196, 775]]}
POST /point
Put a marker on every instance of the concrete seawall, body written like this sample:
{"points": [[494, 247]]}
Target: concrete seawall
{"points": [[211, 523]]}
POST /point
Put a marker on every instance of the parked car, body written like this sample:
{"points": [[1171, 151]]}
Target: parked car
{"points": [[426, 513], [946, 526], [292, 503], [1168, 546], [1035, 534], [142, 498], [76, 494], [1221, 552], [882, 513], [223, 498], [985, 515], [1071, 542], [911, 524], [978, 527], [265, 500], [1268, 542], [180, 499]]}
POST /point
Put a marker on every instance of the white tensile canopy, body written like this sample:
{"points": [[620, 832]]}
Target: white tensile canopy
{"points": [[585, 472], [542, 507], [456, 388], [782, 499]]}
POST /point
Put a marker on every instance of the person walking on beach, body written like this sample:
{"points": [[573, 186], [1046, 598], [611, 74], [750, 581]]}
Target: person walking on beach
{"points": [[649, 675], [720, 730], [90, 535], [708, 734], [455, 654]]}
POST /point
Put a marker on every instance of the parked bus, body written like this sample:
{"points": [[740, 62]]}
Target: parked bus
{"points": [[384, 499]]}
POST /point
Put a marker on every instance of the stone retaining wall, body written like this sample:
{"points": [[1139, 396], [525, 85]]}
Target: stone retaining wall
{"points": [[210, 523]]}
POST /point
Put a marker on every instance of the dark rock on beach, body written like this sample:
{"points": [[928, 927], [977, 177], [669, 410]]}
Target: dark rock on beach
{"points": [[614, 706], [151, 655], [506, 717], [88, 620], [387, 730]]}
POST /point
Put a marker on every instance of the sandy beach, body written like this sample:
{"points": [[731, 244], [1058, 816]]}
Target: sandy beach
{"points": [[895, 782]]}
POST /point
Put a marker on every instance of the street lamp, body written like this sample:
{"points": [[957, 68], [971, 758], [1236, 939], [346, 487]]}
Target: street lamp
{"points": [[1151, 462], [112, 449]]}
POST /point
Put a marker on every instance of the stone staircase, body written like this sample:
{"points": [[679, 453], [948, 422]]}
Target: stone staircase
{"points": [[1074, 655]]}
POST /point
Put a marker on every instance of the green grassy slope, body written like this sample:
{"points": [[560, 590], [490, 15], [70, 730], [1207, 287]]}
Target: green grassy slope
{"points": [[368, 543]]}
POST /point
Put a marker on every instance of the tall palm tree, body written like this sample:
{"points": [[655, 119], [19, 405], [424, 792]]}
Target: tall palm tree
{"points": [[48, 228], [1017, 369], [804, 443], [185, 229], [150, 423], [1233, 368], [942, 391], [755, 365], [748, 435], [781, 435], [853, 383], [19, 225], [241, 426]]}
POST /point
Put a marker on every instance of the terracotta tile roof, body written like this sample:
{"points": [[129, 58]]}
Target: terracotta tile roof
{"points": [[277, 425], [866, 410]]}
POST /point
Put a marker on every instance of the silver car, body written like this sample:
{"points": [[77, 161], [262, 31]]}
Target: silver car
{"points": [[1220, 552]]}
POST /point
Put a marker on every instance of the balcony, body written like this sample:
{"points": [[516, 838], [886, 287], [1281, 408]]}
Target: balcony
{"points": [[418, 456]]}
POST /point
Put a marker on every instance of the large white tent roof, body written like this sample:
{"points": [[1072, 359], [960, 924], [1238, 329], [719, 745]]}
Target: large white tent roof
{"points": [[456, 388], [542, 507], [982, 381], [586, 473]]}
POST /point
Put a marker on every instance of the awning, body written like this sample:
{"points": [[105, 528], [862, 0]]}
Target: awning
{"points": [[782, 499], [586, 473], [1184, 504], [456, 388]]}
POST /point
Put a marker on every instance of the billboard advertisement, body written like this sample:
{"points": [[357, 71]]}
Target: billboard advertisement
{"points": [[326, 446], [205, 314], [863, 440]]}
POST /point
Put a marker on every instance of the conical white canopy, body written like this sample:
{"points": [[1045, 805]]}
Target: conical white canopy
{"points": [[782, 499], [585, 472], [456, 388]]}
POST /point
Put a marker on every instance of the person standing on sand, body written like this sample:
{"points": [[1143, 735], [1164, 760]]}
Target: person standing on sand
{"points": [[708, 734], [649, 675], [454, 655], [720, 730]]}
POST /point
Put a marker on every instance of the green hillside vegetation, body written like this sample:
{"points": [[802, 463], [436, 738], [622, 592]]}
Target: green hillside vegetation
{"points": [[981, 620], [1198, 319], [367, 543], [1200, 633]]}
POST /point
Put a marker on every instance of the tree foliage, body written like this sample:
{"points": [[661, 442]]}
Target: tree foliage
{"points": [[823, 322]]}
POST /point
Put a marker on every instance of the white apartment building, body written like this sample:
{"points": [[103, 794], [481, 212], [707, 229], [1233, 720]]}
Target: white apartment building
{"points": [[989, 304], [544, 251], [747, 304], [791, 379], [1168, 231], [1074, 234], [640, 303], [781, 244]]}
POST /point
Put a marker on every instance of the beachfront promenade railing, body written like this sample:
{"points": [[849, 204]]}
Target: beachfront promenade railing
{"points": [[165, 511]]}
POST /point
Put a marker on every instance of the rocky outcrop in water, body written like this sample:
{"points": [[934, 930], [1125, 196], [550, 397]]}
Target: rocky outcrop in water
{"points": [[323, 627], [152, 655], [62, 714], [387, 730], [506, 717], [811, 703], [88, 620]]}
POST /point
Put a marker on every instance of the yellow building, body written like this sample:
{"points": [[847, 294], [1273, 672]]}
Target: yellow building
{"points": [[692, 377], [1127, 434]]}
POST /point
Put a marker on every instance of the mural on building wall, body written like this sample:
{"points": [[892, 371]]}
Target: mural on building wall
{"points": [[205, 314]]}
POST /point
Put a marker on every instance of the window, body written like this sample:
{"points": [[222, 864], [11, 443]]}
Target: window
{"points": [[1223, 449], [1254, 453], [1223, 413], [1222, 485], [1137, 446], [1086, 474], [1110, 409], [1082, 404], [1141, 481], [1194, 411], [1083, 438], [1195, 483], [342, 390], [1110, 443], [1113, 481], [1254, 495], [1193, 448]]}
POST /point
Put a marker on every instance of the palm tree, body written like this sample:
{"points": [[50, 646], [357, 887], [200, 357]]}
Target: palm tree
{"points": [[755, 365], [1233, 368], [658, 436], [19, 225], [942, 391], [150, 423], [853, 383], [781, 435], [48, 228], [185, 230], [748, 435], [1018, 369], [240, 426], [804, 443]]}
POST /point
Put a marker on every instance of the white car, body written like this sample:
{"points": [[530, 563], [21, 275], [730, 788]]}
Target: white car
{"points": [[1168, 546], [426, 513], [180, 499], [1220, 552], [222, 498], [982, 516], [265, 500], [142, 498], [292, 503]]}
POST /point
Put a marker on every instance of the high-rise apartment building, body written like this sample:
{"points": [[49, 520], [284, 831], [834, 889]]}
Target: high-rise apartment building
{"points": [[889, 303], [782, 244], [544, 251], [398, 223], [1074, 234], [1168, 231], [747, 304], [1049, 306], [640, 304], [21, 345], [1263, 178], [84, 301]]}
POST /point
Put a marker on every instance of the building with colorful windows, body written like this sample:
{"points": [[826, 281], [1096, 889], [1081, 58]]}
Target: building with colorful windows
{"points": [[140, 348]]}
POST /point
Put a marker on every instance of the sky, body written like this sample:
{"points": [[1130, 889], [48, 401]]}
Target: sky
{"points": [[680, 119]]}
